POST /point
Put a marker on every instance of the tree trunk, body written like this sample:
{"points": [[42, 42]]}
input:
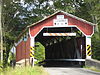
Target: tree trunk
{"points": [[1, 36]]}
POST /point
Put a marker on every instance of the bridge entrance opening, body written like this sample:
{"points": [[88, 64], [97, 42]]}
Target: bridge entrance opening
{"points": [[62, 48]]}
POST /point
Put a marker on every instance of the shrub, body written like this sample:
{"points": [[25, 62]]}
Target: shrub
{"points": [[96, 47], [39, 52], [24, 71]]}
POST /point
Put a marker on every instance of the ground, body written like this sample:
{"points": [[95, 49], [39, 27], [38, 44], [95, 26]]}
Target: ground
{"points": [[70, 71]]}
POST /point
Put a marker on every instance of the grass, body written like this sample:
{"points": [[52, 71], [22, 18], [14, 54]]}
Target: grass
{"points": [[25, 71], [92, 68]]}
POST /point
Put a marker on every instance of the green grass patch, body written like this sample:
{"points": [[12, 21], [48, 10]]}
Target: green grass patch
{"points": [[24, 71], [92, 68]]}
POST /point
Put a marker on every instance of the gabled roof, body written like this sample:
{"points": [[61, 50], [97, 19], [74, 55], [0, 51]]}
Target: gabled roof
{"points": [[66, 14], [52, 16]]}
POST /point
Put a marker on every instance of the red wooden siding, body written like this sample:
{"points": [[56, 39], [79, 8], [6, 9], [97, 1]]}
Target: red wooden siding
{"points": [[20, 50]]}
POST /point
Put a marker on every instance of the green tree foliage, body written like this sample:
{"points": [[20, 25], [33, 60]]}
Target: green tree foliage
{"points": [[94, 10], [96, 48], [65, 5], [39, 52], [17, 14]]}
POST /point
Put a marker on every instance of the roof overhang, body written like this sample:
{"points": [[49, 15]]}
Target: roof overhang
{"points": [[80, 19]]}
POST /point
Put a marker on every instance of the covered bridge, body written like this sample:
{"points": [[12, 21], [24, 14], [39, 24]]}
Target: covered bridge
{"points": [[64, 36]]}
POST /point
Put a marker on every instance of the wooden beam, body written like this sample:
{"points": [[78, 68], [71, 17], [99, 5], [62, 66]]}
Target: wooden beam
{"points": [[59, 34]]}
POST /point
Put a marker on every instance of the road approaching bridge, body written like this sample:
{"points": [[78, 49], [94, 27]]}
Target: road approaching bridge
{"points": [[70, 71]]}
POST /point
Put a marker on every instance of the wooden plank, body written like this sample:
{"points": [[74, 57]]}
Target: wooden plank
{"points": [[59, 34]]}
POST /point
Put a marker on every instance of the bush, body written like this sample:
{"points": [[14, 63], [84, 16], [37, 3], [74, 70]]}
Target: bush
{"points": [[24, 71], [1, 66], [96, 47], [39, 52]]}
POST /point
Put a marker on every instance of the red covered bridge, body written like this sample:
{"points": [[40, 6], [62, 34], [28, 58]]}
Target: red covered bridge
{"points": [[64, 36]]}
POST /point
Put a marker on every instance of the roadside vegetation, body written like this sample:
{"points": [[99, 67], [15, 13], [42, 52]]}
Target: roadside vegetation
{"points": [[24, 71], [92, 68], [39, 54], [96, 46]]}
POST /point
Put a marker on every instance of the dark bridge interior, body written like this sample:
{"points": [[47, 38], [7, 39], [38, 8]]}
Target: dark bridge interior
{"points": [[58, 49]]}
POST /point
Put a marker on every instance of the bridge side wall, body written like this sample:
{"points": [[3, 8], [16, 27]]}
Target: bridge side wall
{"points": [[23, 50]]}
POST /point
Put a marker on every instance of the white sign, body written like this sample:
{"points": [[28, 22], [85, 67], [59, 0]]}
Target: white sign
{"points": [[13, 50], [60, 16], [60, 21]]}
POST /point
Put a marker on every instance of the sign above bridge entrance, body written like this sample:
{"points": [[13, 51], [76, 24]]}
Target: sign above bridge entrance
{"points": [[60, 21]]}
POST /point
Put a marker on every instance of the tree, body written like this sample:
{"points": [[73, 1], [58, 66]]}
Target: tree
{"points": [[94, 7], [17, 14], [1, 35]]}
